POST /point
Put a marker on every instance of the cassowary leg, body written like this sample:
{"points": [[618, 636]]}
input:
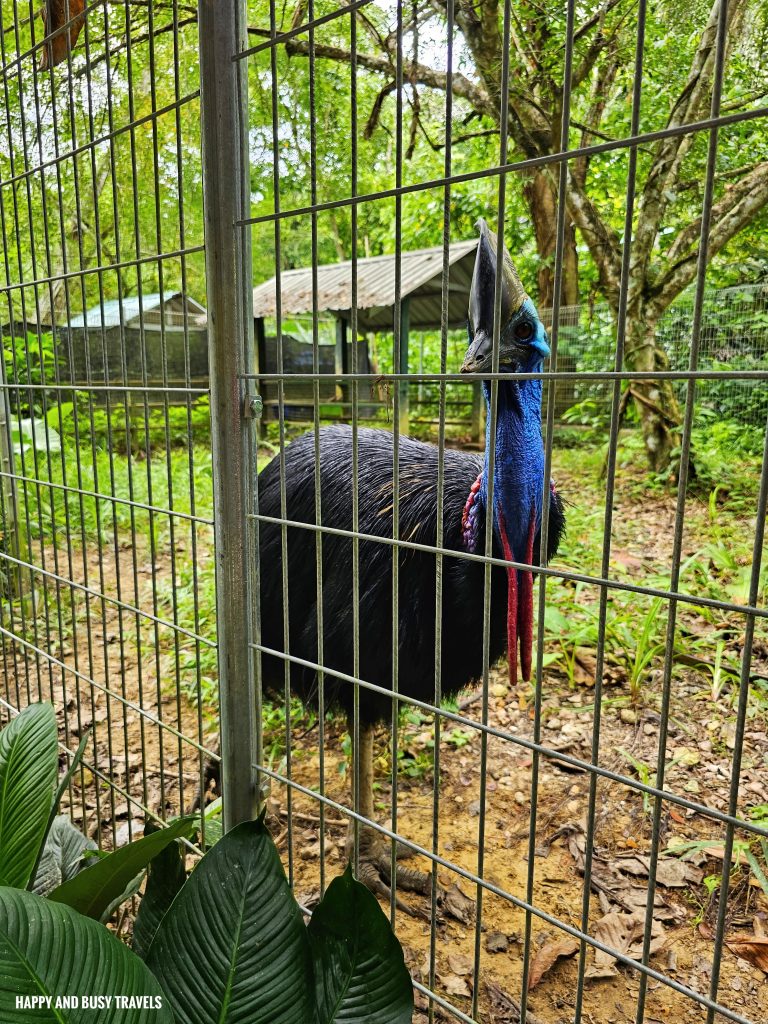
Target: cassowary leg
{"points": [[375, 856]]}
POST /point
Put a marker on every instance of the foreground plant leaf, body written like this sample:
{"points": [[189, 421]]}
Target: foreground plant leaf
{"points": [[360, 973], [29, 762], [47, 949], [42, 882], [165, 877], [233, 948], [92, 891], [63, 857]]}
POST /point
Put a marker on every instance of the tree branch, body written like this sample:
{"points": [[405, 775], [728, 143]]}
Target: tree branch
{"points": [[602, 241], [690, 106], [420, 73], [739, 204]]}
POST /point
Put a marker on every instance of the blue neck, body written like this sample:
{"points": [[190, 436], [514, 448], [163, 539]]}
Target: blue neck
{"points": [[518, 479]]}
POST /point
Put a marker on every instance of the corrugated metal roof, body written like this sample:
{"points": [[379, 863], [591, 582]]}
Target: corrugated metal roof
{"points": [[109, 315], [421, 274]]}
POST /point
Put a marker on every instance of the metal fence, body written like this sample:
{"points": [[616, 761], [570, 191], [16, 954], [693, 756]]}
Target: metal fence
{"points": [[733, 334], [106, 529], [108, 522]]}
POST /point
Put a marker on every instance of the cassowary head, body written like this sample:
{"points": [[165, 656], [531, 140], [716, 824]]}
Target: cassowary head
{"points": [[522, 340]]}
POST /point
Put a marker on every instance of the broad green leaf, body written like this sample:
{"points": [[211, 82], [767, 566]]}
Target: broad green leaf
{"points": [[360, 973], [95, 889], [63, 856], [233, 948], [165, 877], [29, 762], [48, 950], [64, 782]]}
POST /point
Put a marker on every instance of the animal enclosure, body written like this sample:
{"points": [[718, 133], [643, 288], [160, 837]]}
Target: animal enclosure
{"points": [[595, 840]]}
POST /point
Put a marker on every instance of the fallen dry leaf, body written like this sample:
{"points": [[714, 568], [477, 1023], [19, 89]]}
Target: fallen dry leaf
{"points": [[502, 1003], [458, 905], [454, 985], [623, 933], [461, 964], [670, 872], [752, 948], [56, 14], [497, 942], [548, 955]]}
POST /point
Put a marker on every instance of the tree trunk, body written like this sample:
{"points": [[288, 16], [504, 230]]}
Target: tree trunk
{"points": [[542, 203], [655, 400]]}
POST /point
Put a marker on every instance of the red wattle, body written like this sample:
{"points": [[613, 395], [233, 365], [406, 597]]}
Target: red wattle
{"points": [[525, 607], [512, 611]]}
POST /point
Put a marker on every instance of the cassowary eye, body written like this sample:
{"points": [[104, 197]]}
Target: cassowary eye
{"points": [[524, 331]]}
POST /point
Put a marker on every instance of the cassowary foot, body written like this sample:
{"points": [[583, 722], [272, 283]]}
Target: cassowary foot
{"points": [[375, 870]]}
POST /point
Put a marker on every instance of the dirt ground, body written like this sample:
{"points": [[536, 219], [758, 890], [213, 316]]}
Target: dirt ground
{"points": [[129, 750]]}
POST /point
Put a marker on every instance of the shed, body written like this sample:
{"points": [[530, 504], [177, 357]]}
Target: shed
{"points": [[421, 289], [125, 341]]}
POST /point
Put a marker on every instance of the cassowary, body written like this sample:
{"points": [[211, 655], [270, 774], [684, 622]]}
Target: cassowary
{"points": [[518, 489]]}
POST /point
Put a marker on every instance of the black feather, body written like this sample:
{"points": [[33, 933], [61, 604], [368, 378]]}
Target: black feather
{"points": [[462, 616]]}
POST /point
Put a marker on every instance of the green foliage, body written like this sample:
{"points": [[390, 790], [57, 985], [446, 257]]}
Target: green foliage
{"points": [[151, 430], [29, 760], [234, 923], [358, 963], [165, 877], [233, 946], [64, 855], [112, 879], [724, 449], [29, 359], [48, 949]]}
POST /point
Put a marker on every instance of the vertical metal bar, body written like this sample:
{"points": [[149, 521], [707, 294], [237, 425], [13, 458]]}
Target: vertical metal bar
{"points": [[682, 486], [275, 110], [228, 276], [489, 517], [319, 616], [609, 493], [439, 523], [356, 730], [396, 327], [565, 122]]}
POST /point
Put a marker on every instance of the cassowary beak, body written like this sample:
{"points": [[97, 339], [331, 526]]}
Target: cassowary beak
{"points": [[479, 357]]}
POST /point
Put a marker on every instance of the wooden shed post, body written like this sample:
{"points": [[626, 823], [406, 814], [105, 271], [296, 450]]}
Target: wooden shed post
{"points": [[402, 387], [341, 357], [476, 428], [261, 367]]}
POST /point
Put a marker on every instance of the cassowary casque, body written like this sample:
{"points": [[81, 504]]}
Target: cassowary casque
{"points": [[517, 493]]}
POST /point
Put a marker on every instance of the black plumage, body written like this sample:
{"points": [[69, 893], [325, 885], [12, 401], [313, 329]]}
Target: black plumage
{"points": [[462, 604]]}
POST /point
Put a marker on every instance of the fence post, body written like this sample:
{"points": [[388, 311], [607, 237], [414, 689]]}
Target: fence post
{"points": [[224, 109]]}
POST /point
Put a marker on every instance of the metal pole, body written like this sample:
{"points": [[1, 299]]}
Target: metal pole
{"points": [[224, 95]]}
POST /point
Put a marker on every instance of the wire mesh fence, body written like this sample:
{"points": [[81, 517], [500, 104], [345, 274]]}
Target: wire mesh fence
{"points": [[552, 820], [498, 747], [106, 516]]}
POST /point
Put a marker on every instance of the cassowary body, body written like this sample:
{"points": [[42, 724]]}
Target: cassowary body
{"points": [[517, 475], [462, 600]]}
